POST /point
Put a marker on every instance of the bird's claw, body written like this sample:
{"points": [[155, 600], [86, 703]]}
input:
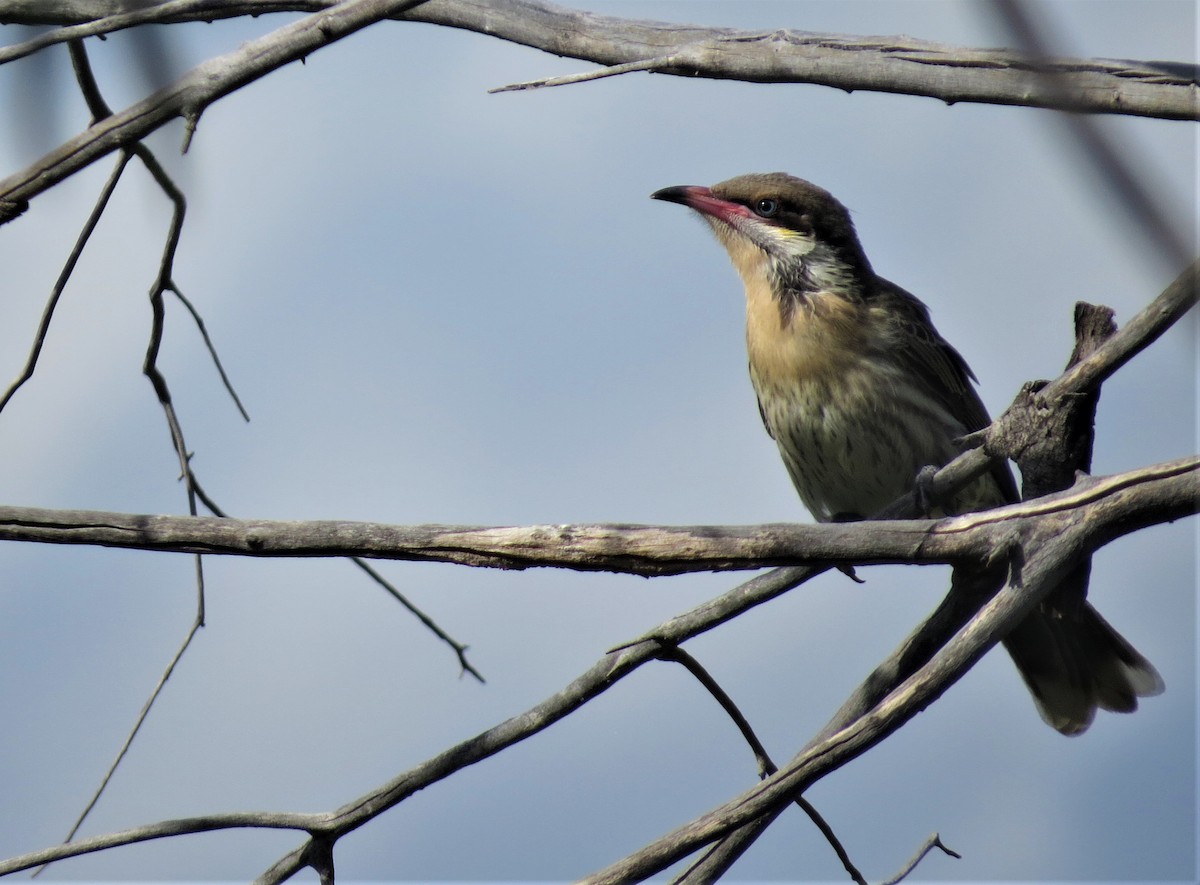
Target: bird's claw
{"points": [[924, 497]]}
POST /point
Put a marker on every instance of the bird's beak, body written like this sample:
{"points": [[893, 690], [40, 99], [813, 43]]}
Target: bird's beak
{"points": [[702, 200], [680, 193]]}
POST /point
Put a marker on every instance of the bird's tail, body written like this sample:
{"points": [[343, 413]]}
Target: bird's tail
{"points": [[1073, 663]]}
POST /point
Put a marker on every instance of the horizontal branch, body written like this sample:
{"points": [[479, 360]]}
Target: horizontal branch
{"points": [[1122, 503], [884, 64]]}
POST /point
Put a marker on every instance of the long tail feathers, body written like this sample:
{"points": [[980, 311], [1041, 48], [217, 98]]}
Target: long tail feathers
{"points": [[1075, 663]]}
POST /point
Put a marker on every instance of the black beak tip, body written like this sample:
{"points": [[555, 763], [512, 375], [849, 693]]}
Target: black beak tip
{"points": [[676, 194]]}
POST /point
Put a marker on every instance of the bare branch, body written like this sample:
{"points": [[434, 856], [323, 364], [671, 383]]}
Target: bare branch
{"points": [[1111, 505], [1049, 556], [162, 830], [195, 91], [212, 350], [98, 19], [1135, 336], [1095, 147], [1054, 543], [64, 276], [133, 732], [892, 64], [662, 63], [1081, 377], [459, 649], [887, 64], [934, 841]]}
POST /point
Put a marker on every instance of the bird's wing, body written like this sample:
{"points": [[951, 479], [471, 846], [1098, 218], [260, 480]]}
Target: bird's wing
{"points": [[945, 373], [930, 357]]}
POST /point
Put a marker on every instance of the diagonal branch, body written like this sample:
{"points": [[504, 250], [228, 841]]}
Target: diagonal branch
{"points": [[1094, 145], [765, 766], [64, 276], [162, 830], [188, 97], [1047, 556], [1084, 376]]}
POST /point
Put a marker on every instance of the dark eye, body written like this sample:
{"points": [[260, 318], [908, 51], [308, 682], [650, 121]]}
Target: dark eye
{"points": [[766, 207]]}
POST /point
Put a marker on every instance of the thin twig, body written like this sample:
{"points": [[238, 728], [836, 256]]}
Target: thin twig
{"points": [[158, 12], [137, 726], [629, 67], [99, 109], [212, 350], [766, 767], [459, 649], [39, 338], [208, 823], [672, 652], [934, 841]]}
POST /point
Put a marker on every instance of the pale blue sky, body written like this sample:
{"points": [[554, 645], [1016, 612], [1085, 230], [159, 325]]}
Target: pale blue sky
{"points": [[441, 305]]}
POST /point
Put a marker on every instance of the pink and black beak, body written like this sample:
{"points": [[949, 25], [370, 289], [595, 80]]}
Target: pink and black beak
{"points": [[702, 200]]}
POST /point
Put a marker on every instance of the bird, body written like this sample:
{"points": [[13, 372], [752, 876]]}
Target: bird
{"points": [[861, 394]]}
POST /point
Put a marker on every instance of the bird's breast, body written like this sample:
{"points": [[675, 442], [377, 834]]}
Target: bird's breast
{"points": [[811, 336], [852, 432]]}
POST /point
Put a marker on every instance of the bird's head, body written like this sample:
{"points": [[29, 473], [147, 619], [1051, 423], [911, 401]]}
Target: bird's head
{"points": [[785, 227]]}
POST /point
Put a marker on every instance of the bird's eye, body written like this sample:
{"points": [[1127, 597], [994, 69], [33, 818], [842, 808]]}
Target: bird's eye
{"points": [[766, 207]]}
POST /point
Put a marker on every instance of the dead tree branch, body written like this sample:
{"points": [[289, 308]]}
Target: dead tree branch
{"points": [[1038, 542], [1054, 537], [662, 550], [1033, 573], [1094, 145], [885, 64], [1112, 505], [888, 64], [605, 673], [192, 93]]}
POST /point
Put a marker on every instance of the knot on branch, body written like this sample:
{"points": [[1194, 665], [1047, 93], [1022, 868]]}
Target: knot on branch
{"points": [[1051, 439]]}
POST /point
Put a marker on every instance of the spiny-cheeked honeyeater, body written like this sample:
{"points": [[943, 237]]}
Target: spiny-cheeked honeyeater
{"points": [[860, 393]]}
